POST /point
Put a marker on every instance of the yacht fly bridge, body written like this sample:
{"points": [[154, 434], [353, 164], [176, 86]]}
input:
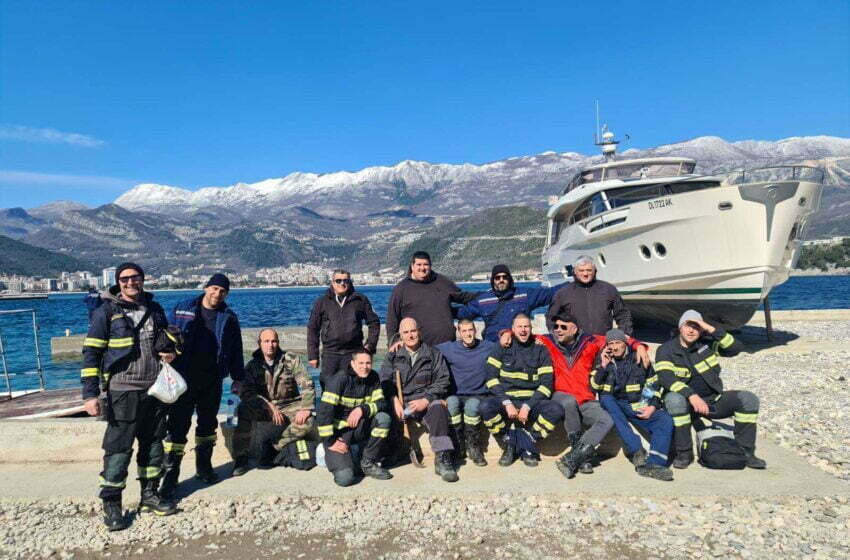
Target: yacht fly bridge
{"points": [[671, 239]]}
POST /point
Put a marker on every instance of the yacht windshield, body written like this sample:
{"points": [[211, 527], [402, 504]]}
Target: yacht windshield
{"points": [[632, 171]]}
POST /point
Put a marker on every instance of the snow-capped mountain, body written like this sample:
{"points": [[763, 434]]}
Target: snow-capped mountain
{"points": [[447, 189]]}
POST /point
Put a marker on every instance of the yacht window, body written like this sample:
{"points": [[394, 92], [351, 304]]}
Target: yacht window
{"points": [[630, 195], [590, 207], [678, 188], [557, 228]]}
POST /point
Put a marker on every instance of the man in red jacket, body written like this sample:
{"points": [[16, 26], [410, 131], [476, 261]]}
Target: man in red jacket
{"points": [[573, 354]]}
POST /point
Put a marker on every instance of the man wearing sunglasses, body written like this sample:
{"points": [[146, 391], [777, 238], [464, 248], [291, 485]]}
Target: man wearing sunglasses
{"points": [[573, 354], [499, 305], [337, 320], [119, 352]]}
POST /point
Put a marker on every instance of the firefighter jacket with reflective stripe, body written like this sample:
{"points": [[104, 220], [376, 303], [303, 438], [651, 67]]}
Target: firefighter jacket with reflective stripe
{"points": [[624, 379], [521, 371], [284, 383], [112, 342], [228, 335], [695, 369], [428, 377], [343, 393]]}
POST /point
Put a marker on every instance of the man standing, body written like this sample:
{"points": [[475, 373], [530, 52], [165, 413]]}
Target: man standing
{"points": [[520, 377], [503, 301], [425, 382], [353, 410], [426, 297], [593, 302], [277, 389], [465, 358], [628, 392], [337, 318], [119, 351], [573, 354], [689, 370], [213, 351]]}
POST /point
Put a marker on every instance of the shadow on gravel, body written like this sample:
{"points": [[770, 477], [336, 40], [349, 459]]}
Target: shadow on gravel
{"points": [[189, 486]]}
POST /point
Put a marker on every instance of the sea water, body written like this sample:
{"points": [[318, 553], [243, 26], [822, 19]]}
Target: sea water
{"points": [[278, 307]]}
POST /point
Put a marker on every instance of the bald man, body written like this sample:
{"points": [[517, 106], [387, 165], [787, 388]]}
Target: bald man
{"points": [[277, 389], [425, 381]]}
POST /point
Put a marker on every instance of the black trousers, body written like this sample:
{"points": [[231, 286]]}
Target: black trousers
{"points": [[203, 398], [331, 363], [131, 415], [375, 430]]}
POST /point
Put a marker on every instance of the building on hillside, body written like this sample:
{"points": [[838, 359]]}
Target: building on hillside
{"points": [[108, 276]]}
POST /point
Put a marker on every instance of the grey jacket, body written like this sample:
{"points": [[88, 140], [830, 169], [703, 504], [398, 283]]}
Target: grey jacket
{"points": [[428, 377], [594, 305]]}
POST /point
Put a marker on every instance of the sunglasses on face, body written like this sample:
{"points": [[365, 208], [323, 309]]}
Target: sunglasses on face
{"points": [[128, 279], [341, 281], [501, 277], [560, 327]]}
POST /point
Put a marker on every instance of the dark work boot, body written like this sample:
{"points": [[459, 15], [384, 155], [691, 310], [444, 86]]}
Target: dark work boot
{"points": [[754, 462], [372, 469], [638, 458], [171, 475], [152, 502], [241, 465], [529, 459], [658, 472], [203, 464], [683, 458], [459, 442], [472, 436], [113, 515], [570, 463], [267, 456], [508, 454], [443, 466]]}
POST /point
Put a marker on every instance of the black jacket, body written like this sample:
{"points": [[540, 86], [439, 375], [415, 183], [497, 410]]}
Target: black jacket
{"points": [[112, 342], [428, 377], [695, 369], [624, 379], [430, 303], [521, 371], [343, 393], [594, 305], [340, 328]]}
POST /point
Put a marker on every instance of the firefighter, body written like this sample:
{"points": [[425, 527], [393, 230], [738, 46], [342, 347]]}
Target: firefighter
{"points": [[353, 411], [689, 371], [120, 351], [520, 378]]}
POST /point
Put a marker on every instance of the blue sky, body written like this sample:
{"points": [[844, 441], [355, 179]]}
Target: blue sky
{"points": [[98, 96]]}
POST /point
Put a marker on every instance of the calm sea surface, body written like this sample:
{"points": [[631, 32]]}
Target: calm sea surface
{"points": [[278, 307]]}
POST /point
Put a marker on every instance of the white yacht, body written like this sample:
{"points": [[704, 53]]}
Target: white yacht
{"points": [[671, 240]]}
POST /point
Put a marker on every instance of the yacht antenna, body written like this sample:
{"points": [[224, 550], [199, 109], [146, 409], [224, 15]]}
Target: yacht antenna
{"points": [[607, 142]]}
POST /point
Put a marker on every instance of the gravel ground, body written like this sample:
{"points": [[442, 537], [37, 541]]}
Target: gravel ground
{"points": [[430, 527], [805, 399]]}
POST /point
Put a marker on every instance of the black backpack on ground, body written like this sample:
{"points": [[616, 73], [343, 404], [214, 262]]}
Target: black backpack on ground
{"points": [[299, 454], [719, 450]]}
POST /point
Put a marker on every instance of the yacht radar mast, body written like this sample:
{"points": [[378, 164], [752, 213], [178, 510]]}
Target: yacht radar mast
{"points": [[606, 140]]}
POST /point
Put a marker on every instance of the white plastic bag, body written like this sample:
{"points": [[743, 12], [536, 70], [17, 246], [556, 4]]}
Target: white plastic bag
{"points": [[169, 384]]}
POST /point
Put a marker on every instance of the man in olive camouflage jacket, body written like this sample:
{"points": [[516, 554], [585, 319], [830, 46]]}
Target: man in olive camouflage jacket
{"points": [[278, 389]]}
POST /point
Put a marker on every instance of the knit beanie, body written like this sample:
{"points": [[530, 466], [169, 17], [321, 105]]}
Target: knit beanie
{"points": [[220, 280], [501, 269], [615, 334], [127, 266]]}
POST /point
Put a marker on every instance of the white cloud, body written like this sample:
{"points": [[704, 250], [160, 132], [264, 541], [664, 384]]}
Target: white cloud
{"points": [[48, 136], [12, 178]]}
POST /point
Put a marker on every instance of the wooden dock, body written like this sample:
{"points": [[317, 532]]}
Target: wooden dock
{"points": [[29, 405]]}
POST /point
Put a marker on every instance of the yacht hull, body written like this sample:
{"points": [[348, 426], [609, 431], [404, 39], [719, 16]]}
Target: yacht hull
{"points": [[719, 250]]}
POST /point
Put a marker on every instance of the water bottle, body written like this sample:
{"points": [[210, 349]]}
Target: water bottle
{"points": [[408, 412], [320, 455], [646, 395], [232, 405]]}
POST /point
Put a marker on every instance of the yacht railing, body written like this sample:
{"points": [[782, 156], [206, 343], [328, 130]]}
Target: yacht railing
{"points": [[776, 173]]}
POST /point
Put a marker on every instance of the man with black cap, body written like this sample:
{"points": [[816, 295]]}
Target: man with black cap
{"points": [[426, 297], [689, 370], [503, 301], [213, 351], [121, 353]]}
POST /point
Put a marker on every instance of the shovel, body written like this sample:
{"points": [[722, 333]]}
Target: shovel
{"points": [[415, 451]]}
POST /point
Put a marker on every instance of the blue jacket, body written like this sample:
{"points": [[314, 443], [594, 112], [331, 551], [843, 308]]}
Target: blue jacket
{"points": [[498, 311], [228, 335], [467, 365]]}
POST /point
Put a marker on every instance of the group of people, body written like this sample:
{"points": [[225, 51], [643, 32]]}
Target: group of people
{"points": [[437, 373]]}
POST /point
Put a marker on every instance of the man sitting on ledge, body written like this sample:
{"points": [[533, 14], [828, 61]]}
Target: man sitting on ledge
{"points": [[688, 369], [352, 411], [425, 381], [277, 389]]}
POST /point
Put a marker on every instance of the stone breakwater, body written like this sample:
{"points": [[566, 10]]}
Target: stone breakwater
{"points": [[802, 380]]}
